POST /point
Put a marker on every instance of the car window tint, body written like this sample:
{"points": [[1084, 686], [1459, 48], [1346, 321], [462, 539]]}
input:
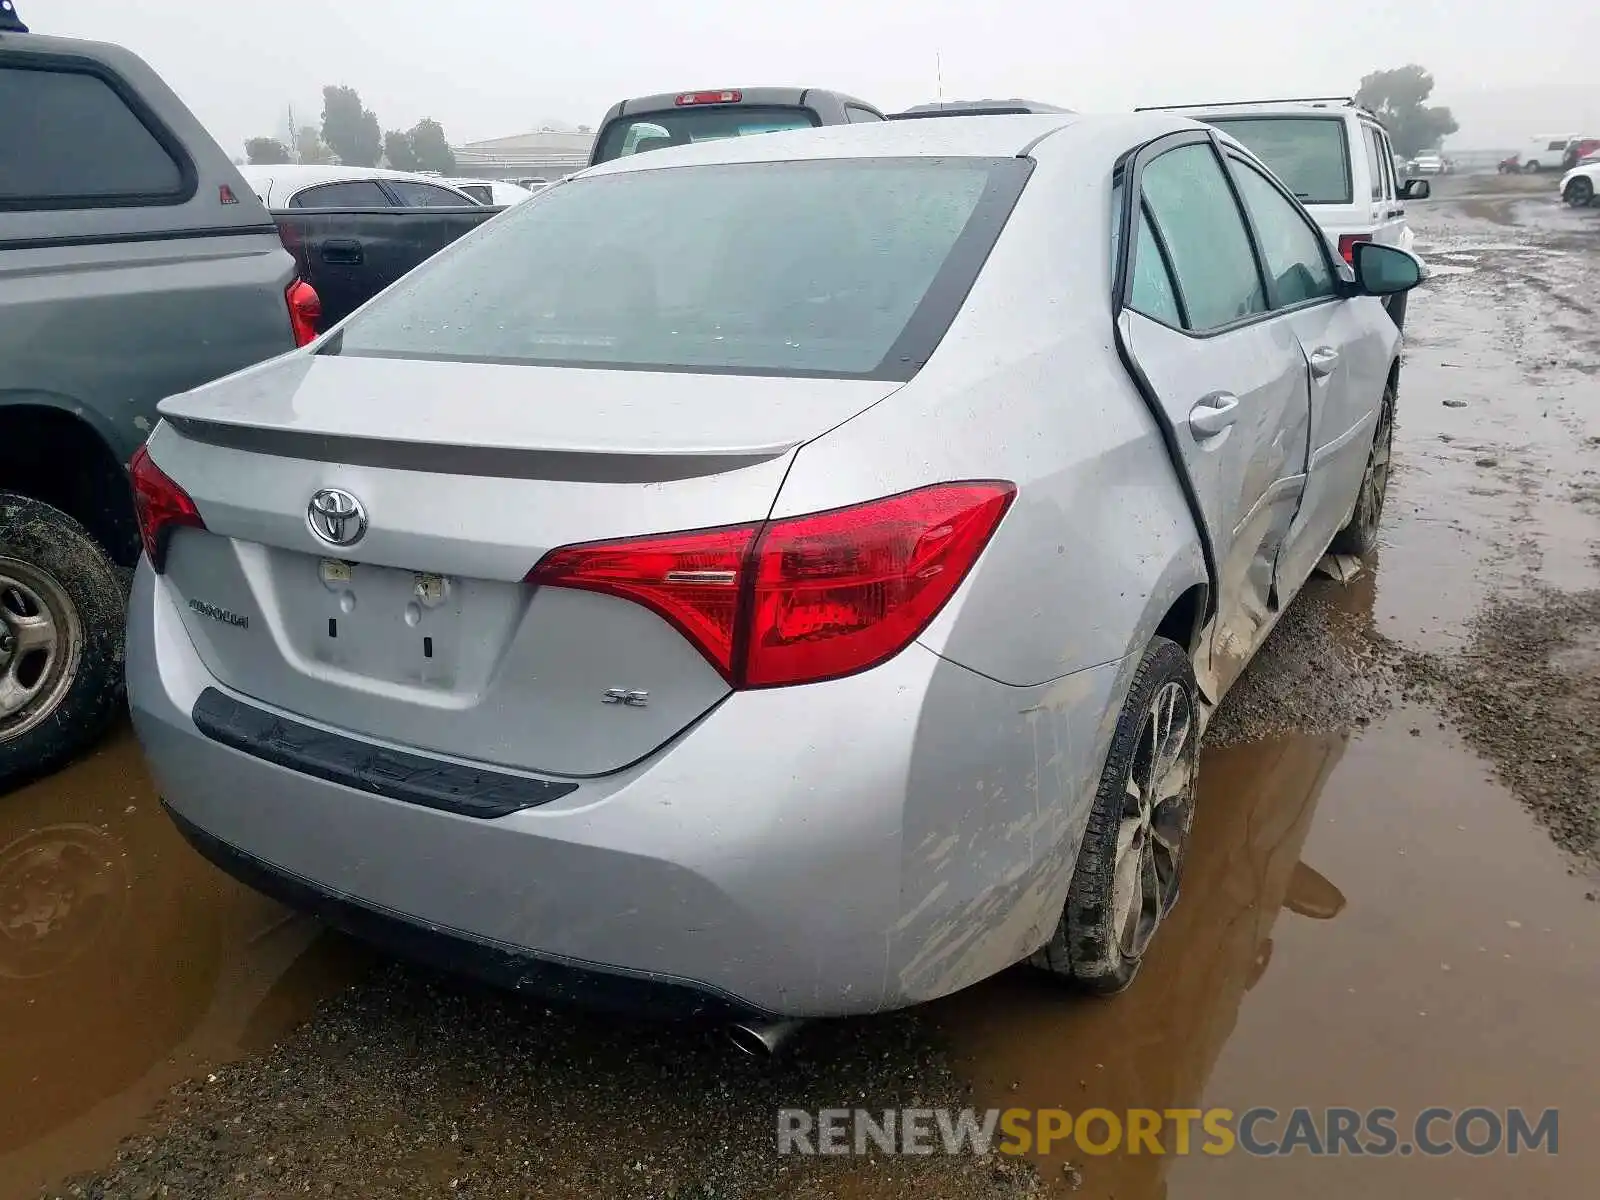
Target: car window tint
{"points": [[1388, 166], [858, 115], [1194, 209], [805, 267], [1153, 292], [67, 136], [481, 192], [354, 193], [1295, 251], [1374, 161], [425, 195], [1307, 153]]}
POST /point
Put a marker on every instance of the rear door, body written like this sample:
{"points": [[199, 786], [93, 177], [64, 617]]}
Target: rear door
{"points": [[1229, 375], [1389, 213]]}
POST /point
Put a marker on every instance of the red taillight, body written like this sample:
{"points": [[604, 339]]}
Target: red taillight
{"points": [[801, 599], [305, 310], [160, 506], [710, 98], [1347, 245]]}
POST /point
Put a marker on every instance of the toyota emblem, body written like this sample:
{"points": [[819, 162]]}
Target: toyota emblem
{"points": [[336, 517]]}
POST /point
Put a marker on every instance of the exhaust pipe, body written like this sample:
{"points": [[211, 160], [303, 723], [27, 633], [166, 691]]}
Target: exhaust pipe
{"points": [[762, 1039]]}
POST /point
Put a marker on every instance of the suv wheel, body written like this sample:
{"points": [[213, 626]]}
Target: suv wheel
{"points": [[62, 609], [1126, 878], [1580, 192]]}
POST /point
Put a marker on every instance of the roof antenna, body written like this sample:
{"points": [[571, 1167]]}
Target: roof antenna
{"points": [[9, 21], [938, 69]]}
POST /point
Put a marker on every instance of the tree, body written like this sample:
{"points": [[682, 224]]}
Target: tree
{"points": [[431, 149], [350, 131], [308, 147], [266, 150], [1397, 96], [398, 151]]}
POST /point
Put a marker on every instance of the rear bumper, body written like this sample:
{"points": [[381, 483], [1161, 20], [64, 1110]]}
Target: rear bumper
{"points": [[846, 847], [513, 967]]}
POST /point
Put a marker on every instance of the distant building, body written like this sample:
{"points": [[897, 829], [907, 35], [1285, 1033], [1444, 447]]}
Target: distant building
{"points": [[542, 154]]}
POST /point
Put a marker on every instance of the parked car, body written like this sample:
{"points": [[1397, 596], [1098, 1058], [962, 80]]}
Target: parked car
{"points": [[134, 263], [680, 118], [1580, 185], [496, 192], [1545, 152], [1429, 163], [1337, 159], [659, 560], [1578, 150], [968, 108], [288, 185]]}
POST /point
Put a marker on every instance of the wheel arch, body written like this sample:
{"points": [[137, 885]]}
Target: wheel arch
{"points": [[54, 450]]}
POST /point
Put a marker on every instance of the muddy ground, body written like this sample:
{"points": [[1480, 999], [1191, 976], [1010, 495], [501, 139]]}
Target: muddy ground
{"points": [[1390, 897]]}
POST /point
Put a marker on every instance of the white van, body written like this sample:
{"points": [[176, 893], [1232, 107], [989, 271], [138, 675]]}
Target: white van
{"points": [[1336, 157], [1547, 151]]}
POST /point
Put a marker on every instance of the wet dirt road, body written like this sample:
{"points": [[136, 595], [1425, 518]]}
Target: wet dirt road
{"points": [[1388, 901]]}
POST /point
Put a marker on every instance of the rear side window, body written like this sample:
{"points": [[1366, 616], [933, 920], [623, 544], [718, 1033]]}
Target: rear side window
{"points": [[856, 115], [842, 268], [1193, 207], [1369, 138], [424, 195], [1153, 291], [1308, 153], [357, 193], [68, 139], [683, 126], [481, 192]]}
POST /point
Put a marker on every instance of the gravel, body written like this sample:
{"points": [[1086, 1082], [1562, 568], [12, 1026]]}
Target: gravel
{"points": [[411, 1084], [1526, 693], [1322, 670]]}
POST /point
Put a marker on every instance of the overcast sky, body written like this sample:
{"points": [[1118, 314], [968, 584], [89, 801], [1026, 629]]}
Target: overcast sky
{"points": [[489, 69]]}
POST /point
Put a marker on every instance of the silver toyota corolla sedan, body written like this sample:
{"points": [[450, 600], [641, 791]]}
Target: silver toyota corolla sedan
{"points": [[785, 575]]}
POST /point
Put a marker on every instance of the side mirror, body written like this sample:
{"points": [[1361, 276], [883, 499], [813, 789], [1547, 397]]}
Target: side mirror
{"points": [[1416, 189], [1385, 270]]}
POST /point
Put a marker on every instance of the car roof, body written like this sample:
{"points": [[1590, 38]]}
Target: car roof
{"points": [[1268, 108], [941, 108], [975, 137], [289, 178]]}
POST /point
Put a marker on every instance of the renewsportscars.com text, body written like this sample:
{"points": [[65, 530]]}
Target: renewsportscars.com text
{"points": [[1261, 1132]]}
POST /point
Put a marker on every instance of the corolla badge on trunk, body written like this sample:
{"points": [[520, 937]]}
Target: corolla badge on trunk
{"points": [[336, 517]]}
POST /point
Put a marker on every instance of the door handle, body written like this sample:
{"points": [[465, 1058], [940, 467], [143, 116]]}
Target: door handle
{"points": [[1323, 360], [344, 252], [1213, 415]]}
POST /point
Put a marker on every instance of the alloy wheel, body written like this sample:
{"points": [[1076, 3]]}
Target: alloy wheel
{"points": [[1157, 807]]}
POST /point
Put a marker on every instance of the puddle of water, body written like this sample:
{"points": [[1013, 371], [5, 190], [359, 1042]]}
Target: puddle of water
{"points": [[1343, 939], [126, 965]]}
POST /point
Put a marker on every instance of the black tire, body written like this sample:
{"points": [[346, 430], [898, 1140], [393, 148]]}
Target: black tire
{"points": [[1531, 168], [1360, 536], [1091, 946], [1579, 193], [1397, 309], [62, 680]]}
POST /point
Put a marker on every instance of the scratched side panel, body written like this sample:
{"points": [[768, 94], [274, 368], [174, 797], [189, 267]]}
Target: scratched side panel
{"points": [[999, 792]]}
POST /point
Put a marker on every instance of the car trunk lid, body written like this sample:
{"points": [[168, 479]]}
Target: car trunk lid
{"points": [[421, 632]]}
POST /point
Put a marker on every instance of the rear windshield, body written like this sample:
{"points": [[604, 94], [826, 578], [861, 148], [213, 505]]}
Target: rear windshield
{"points": [[844, 268], [638, 132], [1308, 153]]}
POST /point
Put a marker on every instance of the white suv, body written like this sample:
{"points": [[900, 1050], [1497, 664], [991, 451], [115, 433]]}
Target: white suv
{"points": [[1336, 157]]}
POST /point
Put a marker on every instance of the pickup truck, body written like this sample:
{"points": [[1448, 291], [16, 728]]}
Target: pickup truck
{"points": [[134, 264]]}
